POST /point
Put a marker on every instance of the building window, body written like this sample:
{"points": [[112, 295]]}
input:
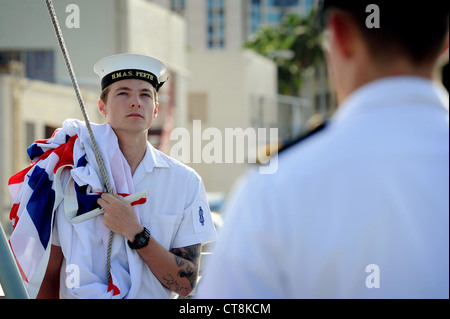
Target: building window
{"points": [[178, 6], [216, 24], [255, 16], [30, 137], [277, 9], [271, 12], [39, 65], [49, 131]]}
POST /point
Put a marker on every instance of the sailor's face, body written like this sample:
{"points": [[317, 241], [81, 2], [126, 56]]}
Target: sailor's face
{"points": [[130, 105]]}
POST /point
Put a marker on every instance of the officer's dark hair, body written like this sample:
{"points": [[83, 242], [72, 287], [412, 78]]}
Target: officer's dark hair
{"points": [[417, 29]]}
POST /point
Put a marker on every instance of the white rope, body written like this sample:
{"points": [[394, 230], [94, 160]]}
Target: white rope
{"points": [[98, 157]]}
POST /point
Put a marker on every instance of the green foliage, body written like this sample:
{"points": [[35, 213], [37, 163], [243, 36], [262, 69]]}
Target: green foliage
{"points": [[297, 35]]}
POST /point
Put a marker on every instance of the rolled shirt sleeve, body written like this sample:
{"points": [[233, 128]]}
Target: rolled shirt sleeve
{"points": [[196, 225]]}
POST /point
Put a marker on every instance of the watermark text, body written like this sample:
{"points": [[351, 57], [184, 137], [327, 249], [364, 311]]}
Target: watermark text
{"points": [[233, 145], [373, 279], [73, 19]]}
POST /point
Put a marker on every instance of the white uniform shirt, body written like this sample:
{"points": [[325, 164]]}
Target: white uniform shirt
{"points": [[359, 210], [172, 215]]}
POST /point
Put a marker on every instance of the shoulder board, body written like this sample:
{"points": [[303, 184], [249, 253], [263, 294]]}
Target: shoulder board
{"points": [[302, 138]]}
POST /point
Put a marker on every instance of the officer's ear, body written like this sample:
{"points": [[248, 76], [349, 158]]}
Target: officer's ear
{"points": [[444, 56], [343, 32]]}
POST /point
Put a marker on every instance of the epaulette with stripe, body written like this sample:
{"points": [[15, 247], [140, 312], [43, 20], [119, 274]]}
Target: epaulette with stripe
{"points": [[302, 138]]}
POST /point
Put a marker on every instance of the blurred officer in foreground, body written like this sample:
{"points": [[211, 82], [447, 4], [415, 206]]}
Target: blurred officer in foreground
{"points": [[360, 209]]}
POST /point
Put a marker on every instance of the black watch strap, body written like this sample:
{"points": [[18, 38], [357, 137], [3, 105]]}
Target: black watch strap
{"points": [[140, 240]]}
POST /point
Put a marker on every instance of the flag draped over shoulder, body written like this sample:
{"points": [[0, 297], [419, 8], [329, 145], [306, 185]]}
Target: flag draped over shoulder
{"points": [[38, 190]]}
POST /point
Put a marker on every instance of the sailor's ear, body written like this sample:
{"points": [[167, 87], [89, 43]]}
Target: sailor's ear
{"points": [[102, 107], [155, 111]]}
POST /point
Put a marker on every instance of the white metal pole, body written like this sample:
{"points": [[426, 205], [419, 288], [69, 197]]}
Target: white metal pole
{"points": [[10, 277]]}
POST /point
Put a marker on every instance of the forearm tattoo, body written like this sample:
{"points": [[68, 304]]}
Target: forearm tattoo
{"points": [[187, 259]]}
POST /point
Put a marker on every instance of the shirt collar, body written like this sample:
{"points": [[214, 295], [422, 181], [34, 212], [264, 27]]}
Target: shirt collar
{"points": [[153, 159], [396, 90]]}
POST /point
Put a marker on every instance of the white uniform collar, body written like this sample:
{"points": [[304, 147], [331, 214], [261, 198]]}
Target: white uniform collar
{"points": [[395, 90], [153, 159]]}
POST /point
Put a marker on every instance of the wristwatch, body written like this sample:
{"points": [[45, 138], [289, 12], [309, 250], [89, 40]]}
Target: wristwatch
{"points": [[140, 240]]}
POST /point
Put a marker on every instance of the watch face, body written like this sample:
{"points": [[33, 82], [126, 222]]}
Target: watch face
{"points": [[142, 240]]}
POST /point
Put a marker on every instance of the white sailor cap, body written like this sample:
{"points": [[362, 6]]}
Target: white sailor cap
{"points": [[131, 66]]}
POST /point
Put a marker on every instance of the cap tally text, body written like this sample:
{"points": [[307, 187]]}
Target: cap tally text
{"points": [[129, 74]]}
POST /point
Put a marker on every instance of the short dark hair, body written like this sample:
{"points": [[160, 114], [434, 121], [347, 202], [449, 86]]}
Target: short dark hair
{"points": [[104, 95], [415, 29]]}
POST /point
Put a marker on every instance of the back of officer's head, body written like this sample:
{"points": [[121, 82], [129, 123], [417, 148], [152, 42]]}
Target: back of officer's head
{"points": [[417, 30]]}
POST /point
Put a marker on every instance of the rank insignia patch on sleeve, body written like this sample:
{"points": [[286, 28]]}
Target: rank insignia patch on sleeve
{"points": [[200, 215]]}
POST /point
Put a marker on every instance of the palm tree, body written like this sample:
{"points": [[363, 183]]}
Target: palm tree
{"points": [[298, 36]]}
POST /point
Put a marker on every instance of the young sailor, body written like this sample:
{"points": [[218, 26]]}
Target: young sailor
{"points": [[157, 241]]}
